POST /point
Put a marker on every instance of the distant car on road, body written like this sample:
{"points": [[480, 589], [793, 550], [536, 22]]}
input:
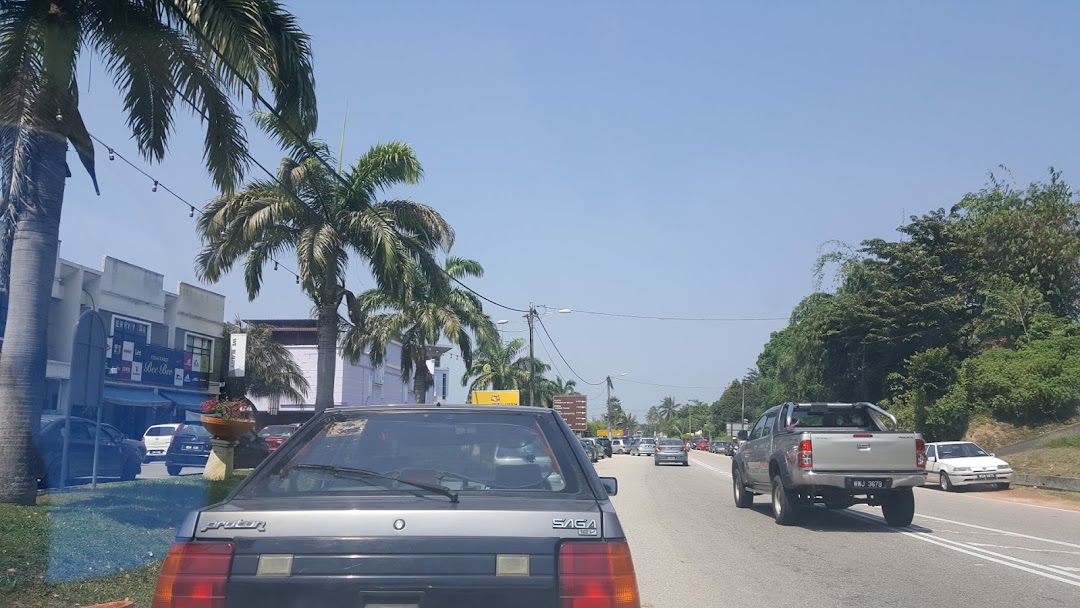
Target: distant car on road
{"points": [[718, 447], [276, 434], [619, 446], [596, 446], [701, 443], [671, 451], [646, 446], [590, 449], [118, 457], [191, 448], [604, 441], [962, 463], [157, 439]]}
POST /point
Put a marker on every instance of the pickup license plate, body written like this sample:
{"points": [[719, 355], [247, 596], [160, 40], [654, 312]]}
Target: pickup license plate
{"points": [[868, 484], [985, 476]]}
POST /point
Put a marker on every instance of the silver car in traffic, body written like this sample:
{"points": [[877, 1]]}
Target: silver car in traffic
{"points": [[669, 451], [644, 446]]}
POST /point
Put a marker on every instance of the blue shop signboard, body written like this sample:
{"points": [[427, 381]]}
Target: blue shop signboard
{"points": [[159, 366]]}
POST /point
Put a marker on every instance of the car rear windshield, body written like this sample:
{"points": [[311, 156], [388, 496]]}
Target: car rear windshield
{"points": [[489, 452], [845, 419], [648, 441], [277, 431], [197, 430], [159, 431], [670, 442]]}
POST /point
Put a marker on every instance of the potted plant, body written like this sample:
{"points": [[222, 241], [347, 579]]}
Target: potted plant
{"points": [[227, 419]]}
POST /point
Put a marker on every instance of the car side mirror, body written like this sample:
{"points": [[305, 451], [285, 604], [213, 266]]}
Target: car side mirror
{"points": [[991, 454], [742, 436], [931, 459], [611, 485]]}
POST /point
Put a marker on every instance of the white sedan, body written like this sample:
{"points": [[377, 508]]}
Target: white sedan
{"points": [[962, 463]]}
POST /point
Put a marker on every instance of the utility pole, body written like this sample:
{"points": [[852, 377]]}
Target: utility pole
{"points": [[743, 421], [609, 407], [532, 357]]}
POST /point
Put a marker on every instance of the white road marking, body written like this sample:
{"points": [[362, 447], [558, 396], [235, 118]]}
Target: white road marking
{"points": [[931, 488], [1005, 532], [1057, 573], [1029, 549], [710, 467], [1046, 572]]}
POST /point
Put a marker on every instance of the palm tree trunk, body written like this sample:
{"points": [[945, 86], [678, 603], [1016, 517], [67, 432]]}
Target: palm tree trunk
{"points": [[327, 365], [25, 348]]}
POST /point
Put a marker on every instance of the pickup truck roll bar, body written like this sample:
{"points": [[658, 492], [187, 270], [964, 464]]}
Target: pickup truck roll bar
{"points": [[791, 406]]}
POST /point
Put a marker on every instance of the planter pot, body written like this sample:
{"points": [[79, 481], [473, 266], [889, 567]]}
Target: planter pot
{"points": [[227, 430]]}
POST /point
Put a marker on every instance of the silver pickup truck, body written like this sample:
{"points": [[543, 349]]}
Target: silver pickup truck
{"points": [[839, 454]]}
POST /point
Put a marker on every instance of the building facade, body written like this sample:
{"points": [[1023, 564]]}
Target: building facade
{"points": [[360, 383], [164, 347]]}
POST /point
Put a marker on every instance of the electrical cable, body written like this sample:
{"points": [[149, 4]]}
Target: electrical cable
{"points": [[311, 151], [556, 347], [714, 388]]}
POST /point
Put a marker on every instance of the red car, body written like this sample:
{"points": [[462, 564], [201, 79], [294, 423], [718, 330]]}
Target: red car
{"points": [[701, 443], [276, 434]]}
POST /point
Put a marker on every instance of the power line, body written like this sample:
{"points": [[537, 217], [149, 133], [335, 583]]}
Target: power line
{"points": [[692, 319], [550, 358], [556, 347], [311, 151], [716, 388], [157, 183]]}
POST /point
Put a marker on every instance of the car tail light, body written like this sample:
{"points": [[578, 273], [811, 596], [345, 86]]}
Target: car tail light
{"points": [[683, 449], [597, 575], [194, 575], [805, 456], [920, 454]]}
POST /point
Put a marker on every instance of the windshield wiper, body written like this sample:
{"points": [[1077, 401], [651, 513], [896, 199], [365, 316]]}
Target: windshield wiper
{"points": [[366, 474]]}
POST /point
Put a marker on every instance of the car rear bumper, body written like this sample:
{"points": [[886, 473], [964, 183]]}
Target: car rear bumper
{"points": [[186, 460], [681, 457], [838, 479], [971, 479]]}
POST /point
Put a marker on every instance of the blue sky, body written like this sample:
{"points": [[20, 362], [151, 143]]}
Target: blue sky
{"points": [[672, 159]]}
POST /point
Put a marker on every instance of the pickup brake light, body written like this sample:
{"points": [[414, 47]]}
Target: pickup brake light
{"points": [[597, 575], [805, 456], [194, 575], [920, 454]]}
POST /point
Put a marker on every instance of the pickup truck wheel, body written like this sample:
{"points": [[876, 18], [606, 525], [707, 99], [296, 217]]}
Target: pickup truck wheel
{"points": [[943, 481], [898, 507], [743, 499], [1003, 486], [785, 506]]}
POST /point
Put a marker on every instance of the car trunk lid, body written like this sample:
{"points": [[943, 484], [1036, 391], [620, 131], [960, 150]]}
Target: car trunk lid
{"points": [[407, 551], [875, 451]]}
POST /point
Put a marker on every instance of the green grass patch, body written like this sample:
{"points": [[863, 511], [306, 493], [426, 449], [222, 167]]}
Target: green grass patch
{"points": [[1069, 441], [1061, 461], [91, 546]]}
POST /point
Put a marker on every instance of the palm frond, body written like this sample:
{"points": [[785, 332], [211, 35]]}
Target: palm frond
{"points": [[382, 167]]}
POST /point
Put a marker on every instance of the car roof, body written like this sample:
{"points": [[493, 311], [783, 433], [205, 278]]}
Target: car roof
{"points": [[949, 442]]}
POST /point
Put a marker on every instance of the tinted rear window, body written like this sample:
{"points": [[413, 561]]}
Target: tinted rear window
{"points": [[847, 419], [197, 430], [159, 431], [648, 441], [670, 442], [475, 452], [277, 431]]}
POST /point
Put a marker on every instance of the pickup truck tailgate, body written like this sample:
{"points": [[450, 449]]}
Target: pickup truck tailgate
{"points": [[876, 451]]}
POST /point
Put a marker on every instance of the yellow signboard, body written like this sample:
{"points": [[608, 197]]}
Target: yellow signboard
{"points": [[495, 398]]}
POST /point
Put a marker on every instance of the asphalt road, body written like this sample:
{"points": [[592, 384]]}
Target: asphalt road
{"points": [[692, 547]]}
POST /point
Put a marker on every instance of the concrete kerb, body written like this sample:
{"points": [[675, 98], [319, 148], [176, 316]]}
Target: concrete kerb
{"points": [[1048, 482]]}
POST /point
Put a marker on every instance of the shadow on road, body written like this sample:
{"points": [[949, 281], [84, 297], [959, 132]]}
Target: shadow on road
{"points": [[820, 519]]}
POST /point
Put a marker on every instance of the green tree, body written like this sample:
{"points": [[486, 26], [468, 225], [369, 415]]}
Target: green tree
{"points": [[270, 372], [668, 410], [417, 322], [157, 53], [328, 224], [500, 366]]}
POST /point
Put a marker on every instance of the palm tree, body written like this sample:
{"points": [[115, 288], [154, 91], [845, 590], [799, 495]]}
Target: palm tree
{"points": [[565, 387], [498, 366], [327, 223], [668, 409], [378, 317], [270, 372], [158, 53]]}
